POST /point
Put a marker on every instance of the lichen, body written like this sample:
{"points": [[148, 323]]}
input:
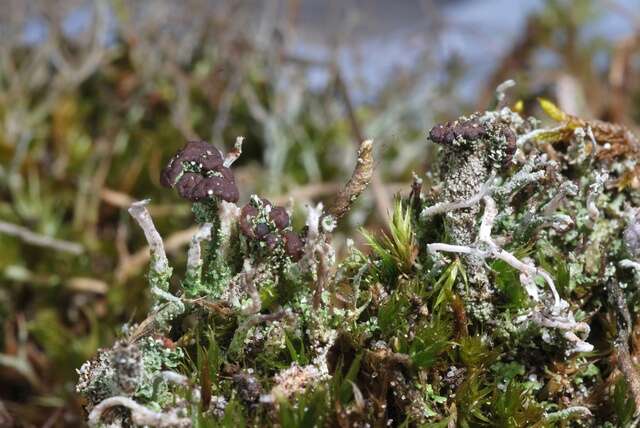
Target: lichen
{"points": [[497, 297]]}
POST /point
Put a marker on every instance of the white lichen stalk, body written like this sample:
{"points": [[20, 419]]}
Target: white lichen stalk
{"points": [[159, 270], [194, 254]]}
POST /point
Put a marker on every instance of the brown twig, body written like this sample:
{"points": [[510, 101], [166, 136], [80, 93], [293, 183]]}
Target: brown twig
{"points": [[33, 238], [620, 77], [383, 204], [358, 182], [460, 317], [205, 382], [6, 420]]}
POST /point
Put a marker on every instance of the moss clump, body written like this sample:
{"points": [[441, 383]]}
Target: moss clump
{"points": [[486, 304]]}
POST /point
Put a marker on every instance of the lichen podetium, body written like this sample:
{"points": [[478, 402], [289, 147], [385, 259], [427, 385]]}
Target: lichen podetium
{"points": [[474, 148]]}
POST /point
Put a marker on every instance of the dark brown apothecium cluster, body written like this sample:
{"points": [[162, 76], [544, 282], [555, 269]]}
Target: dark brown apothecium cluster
{"points": [[197, 171], [271, 229], [463, 131], [448, 132]]}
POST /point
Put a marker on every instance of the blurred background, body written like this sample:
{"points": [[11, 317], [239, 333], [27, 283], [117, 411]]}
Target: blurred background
{"points": [[95, 96]]}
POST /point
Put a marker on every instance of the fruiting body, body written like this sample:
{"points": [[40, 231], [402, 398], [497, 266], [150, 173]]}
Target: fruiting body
{"points": [[477, 309], [198, 173], [264, 222]]}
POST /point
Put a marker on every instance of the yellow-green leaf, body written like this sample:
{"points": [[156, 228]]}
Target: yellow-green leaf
{"points": [[552, 110]]}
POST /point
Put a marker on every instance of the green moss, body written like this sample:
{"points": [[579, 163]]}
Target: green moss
{"points": [[159, 280]]}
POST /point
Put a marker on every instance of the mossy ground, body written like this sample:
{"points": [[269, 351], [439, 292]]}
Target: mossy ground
{"points": [[75, 152], [400, 335]]}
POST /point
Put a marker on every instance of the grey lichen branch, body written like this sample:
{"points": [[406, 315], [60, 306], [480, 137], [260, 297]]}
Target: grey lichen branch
{"points": [[626, 263], [558, 316], [500, 254], [595, 190], [524, 176], [140, 414], [443, 207], [314, 214], [630, 264], [567, 188], [488, 218], [492, 250], [533, 135], [253, 319], [159, 270], [173, 377], [565, 323], [631, 234], [531, 172], [573, 412], [176, 305], [501, 92], [159, 262], [247, 280]]}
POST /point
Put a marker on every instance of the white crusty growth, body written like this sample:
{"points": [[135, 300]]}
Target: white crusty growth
{"points": [[140, 414], [194, 255]]}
